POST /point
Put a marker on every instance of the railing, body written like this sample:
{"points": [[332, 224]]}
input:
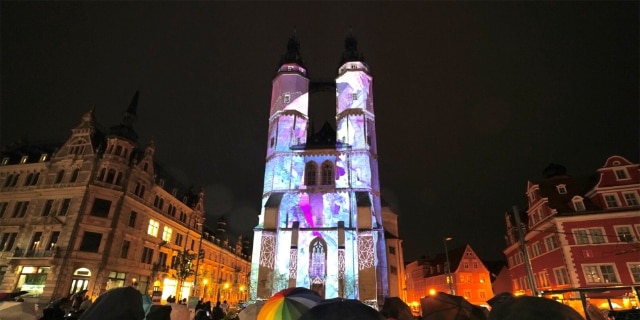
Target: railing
{"points": [[23, 253]]}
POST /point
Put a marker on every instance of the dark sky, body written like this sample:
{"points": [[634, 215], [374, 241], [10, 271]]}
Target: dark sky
{"points": [[472, 99]]}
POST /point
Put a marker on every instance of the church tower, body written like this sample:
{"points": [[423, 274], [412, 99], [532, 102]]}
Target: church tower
{"points": [[320, 225]]}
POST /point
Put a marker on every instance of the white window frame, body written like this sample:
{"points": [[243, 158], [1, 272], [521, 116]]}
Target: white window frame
{"points": [[635, 278], [586, 268], [561, 188], [589, 236], [631, 198], [629, 236], [613, 197], [562, 276], [621, 174], [166, 233], [153, 227], [553, 240], [578, 203]]}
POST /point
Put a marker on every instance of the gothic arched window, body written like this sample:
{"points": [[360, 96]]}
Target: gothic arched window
{"points": [[310, 174], [327, 173], [74, 175]]}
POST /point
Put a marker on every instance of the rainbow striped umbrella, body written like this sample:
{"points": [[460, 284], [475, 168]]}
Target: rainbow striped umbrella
{"points": [[289, 304]]}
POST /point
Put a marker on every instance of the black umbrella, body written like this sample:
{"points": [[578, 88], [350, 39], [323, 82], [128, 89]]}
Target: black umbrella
{"points": [[505, 306], [442, 306], [395, 308], [8, 296], [344, 309]]}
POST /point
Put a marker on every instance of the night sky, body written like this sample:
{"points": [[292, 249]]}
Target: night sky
{"points": [[472, 99]]}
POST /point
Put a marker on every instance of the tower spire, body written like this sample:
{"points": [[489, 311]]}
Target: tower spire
{"points": [[125, 128], [351, 49], [293, 51]]}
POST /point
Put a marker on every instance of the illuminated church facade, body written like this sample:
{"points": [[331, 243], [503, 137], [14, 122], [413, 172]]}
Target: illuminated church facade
{"points": [[321, 222]]}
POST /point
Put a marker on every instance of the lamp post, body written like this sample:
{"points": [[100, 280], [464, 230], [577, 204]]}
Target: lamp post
{"points": [[448, 265]]}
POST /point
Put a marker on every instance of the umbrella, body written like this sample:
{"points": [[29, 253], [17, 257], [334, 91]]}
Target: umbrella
{"points": [[8, 296], [442, 306], [395, 308], [505, 306], [344, 309], [250, 312], [289, 304], [123, 303]]}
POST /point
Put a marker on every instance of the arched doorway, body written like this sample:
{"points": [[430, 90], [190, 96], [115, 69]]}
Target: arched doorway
{"points": [[318, 265], [80, 280]]}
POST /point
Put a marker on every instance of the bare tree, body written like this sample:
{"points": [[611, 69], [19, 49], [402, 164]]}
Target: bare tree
{"points": [[184, 268]]}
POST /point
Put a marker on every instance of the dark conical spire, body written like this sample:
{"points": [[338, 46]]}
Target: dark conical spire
{"points": [[351, 50], [293, 52], [125, 128]]}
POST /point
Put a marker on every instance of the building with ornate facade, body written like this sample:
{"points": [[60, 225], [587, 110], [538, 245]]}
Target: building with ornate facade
{"points": [[98, 212], [580, 233], [322, 225], [467, 277]]}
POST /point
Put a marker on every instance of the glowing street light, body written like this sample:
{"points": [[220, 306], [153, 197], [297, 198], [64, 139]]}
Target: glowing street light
{"points": [[448, 266]]}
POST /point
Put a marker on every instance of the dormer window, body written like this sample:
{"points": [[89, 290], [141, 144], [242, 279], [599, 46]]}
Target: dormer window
{"points": [[578, 204], [24, 159], [43, 157], [289, 68], [611, 200], [287, 98], [621, 174], [161, 183], [562, 188], [5, 161]]}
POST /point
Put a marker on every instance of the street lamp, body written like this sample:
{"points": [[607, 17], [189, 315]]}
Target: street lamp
{"points": [[448, 265]]}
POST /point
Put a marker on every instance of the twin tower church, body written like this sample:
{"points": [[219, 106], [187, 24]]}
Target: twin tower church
{"points": [[322, 225]]}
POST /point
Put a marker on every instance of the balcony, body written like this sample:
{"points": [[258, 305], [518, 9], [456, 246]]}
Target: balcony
{"points": [[35, 254]]}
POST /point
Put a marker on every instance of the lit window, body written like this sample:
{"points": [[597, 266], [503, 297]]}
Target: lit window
{"points": [[24, 159], [43, 157], [562, 189], [611, 200], [5, 161], [153, 228], [166, 234], [604, 273]]}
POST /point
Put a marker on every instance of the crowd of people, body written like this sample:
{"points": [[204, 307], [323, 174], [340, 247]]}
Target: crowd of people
{"points": [[204, 311]]}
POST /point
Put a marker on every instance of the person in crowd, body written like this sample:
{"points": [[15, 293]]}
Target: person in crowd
{"points": [[86, 303], [225, 306], [217, 313]]}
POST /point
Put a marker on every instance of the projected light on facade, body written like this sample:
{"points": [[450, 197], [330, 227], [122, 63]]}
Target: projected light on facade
{"points": [[320, 225]]}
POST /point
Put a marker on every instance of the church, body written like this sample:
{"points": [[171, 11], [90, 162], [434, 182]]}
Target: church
{"points": [[322, 225]]}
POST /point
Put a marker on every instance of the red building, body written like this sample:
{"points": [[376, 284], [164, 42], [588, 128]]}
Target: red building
{"points": [[579, 233]]}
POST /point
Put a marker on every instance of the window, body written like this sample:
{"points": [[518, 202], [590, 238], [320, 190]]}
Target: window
{"points": [[162, 259], [35, 241], [53, 240], [101, 208], [624, 233], [153, 227], [578, 204], [64, 207], [327, 174], [74, 175], [562, 188], [59, 176], [536, 249], [3, 208], [354, 96], [611, 200], [467, 294], [631, 199], [124, 252], [132, 219], [621, 174], [20, 209], [634, 270], [393, 269], [116, 279], [543, 279], [24, 159], [178, 239], [310, 174], [562, 277], [46, 211], [604, 273], [587, 236], [482, 294], [392, 250], [551, 242], [166, 234], [90, 242], [147, 255], [7, 240], [111, 176], [139, 190]]}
